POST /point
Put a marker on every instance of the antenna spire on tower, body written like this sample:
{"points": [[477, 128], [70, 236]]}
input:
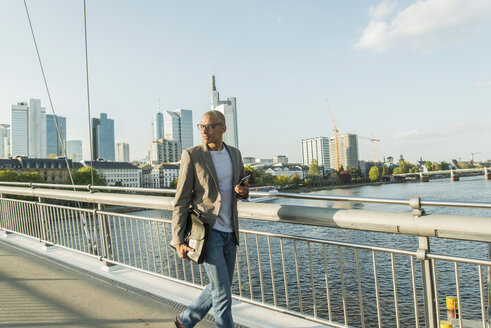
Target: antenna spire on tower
{"points": [[212, 83], [213, 86]]}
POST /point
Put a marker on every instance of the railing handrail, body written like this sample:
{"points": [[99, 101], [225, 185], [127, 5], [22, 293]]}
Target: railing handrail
{"points": [[88, 187], [411, 223], [387, 201]]}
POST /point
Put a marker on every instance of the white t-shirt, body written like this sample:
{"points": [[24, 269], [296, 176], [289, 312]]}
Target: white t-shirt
{"points": [[223, 167]]}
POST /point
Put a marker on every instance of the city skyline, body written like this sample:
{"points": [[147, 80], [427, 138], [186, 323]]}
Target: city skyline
{"points": [[422, 89]]}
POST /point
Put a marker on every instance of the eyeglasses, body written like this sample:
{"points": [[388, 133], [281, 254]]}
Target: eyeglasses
{"points": [[207, 126]]}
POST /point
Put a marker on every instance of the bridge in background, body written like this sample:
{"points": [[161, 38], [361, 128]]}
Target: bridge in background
{"points": [[307, 281], [453, 174]]}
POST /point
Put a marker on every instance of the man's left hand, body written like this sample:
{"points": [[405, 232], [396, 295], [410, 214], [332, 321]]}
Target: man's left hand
{"points": [[242, 190]]}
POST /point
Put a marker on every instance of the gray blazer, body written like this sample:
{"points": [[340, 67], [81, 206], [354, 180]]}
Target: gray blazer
{"points": [[198, 186]]}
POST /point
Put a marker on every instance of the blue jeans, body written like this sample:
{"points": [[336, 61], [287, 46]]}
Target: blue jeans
{"points": [[219, 263]]}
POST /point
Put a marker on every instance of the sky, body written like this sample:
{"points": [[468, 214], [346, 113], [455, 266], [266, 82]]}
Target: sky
{"points": [[414, 74]]}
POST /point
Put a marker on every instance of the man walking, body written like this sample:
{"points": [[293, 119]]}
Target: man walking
{"points": [[209, 181]]}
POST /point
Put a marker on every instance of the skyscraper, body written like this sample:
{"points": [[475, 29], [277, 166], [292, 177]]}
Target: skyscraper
{"points": [[186, 127], [37, 129], [348, 150], [103, 138], [158, 126], [75, 150], [178, 125], [28, 129], [4, 140], [19, 129], [122, 152], [229, 109], [316, 148], [171, 126], [55, 146]]}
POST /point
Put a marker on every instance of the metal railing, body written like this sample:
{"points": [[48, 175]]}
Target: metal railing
{"points": [[299, 271]]}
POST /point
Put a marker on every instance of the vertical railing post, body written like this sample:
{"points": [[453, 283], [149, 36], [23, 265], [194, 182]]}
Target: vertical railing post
{"points": [[105, 236], [3, 217], [44, 223], [429, 292], [6, 217], [489, 288]]}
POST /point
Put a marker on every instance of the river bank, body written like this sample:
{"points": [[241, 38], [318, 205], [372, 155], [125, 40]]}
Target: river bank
{"points": [[301, 189], [330, 187]]}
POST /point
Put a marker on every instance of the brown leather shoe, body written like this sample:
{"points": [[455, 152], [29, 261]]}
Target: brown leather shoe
{"points": [[178, 322]]}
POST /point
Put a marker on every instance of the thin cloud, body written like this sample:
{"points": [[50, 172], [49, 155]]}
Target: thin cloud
{"points": [[483, 84], [383, 10], [424, 25], [446, 133], [407, 134]]}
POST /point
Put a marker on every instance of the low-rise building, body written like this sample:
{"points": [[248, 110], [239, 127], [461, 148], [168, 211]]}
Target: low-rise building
{"points": [[286, 170], [280, 159], [248, 160], [52, 170], [159, 176], [365, 167], [265, 161], [164, 174], [146, 179], [10, 164], [113, 172]]}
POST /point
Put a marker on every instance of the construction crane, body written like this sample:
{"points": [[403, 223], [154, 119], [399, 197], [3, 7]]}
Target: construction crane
{"points": [[372, 139], [335, 130], [472, 156]]}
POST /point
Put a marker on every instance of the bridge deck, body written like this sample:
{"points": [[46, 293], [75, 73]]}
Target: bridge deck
{"points": [[36, 291], [57, 287]]}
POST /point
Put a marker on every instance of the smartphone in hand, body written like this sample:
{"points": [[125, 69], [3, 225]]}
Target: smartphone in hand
{"points": [[244, 179]]}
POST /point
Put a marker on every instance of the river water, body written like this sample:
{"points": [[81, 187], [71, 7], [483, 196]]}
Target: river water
{"points": [[474, 189]]}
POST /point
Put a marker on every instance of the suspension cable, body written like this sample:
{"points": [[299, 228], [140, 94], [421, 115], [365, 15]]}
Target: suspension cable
{"points": [[88, 97], [60, 139], [92, 246]]}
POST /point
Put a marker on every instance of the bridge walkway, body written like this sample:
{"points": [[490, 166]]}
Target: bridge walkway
{"points": [[57, 287], [37, 291]]}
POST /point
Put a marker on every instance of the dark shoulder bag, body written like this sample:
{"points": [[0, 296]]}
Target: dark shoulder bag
{"points": [[196, 235]]}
